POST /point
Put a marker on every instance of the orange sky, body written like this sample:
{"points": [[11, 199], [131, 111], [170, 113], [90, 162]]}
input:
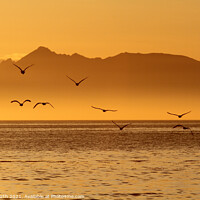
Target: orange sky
{"points": [[100, 27], [95, 28]]}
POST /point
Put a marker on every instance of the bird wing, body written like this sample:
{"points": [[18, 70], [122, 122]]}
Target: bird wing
{"points": [[96, 108], [50, 104], [112, 110], [17, 66], [178, 126], [116, 124], [172, 114], [27, 100], [82, 80], [28, 67], [71, 79], [125, 125], [15, 101], [37, 104], [186, 113]]}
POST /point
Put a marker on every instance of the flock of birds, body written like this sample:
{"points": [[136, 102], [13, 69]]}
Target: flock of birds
{"points": [[27, 100], [102, 109], [179, 125]]}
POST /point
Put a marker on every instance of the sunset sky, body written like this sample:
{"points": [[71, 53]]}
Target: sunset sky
{"points": [[100, 28]]}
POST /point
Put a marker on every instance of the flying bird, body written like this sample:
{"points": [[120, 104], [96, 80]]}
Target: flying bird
{"points": [[179, 116], [20, 104], [120, 127], [77, 83], [22, 71], [43, 103], [104, 110], [184, 127]]}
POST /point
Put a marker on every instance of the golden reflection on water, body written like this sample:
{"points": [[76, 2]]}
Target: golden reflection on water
{"points": [[103, 174], [145, 161]]}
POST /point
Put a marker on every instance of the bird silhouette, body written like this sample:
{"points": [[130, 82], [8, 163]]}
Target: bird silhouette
{"points": [[20, 104], [76, 83], [104, 110], [22, 71], [120, 127], [43, 103], [179, 116], [184, 127]]}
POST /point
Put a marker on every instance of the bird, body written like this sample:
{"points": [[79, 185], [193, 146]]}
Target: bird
{"points": [[20, 104], [184, 127], [77, 83], [43, 103], [120, 127], [179, 116], [22, 71], [104, 110]]}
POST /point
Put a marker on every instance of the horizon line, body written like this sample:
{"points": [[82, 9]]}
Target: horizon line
{"points": [[2, 59], [99, 120]]}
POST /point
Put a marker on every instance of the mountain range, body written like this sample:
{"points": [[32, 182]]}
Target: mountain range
{"points": [[140, 81]]}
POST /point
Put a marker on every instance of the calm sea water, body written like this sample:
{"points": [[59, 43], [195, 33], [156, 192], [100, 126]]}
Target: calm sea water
{"points": [[147, 160]]}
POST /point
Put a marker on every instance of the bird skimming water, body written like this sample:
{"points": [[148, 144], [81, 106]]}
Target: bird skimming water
{"points": [[183, 127], [120, 127]]}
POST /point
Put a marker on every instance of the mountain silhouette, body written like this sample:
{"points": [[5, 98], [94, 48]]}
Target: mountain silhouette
{"points": [[155, 71], [125, 78]]}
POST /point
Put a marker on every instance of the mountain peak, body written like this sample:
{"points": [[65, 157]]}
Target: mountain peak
{"points": [[7, 61], [42, 48], [40, 52], [76, 55]]}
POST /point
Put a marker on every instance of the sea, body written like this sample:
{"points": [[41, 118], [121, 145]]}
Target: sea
{"points": [[95, 160]]}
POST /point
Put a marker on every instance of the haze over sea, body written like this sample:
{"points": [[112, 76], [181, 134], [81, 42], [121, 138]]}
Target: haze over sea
{"points": [[147, 160]]}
